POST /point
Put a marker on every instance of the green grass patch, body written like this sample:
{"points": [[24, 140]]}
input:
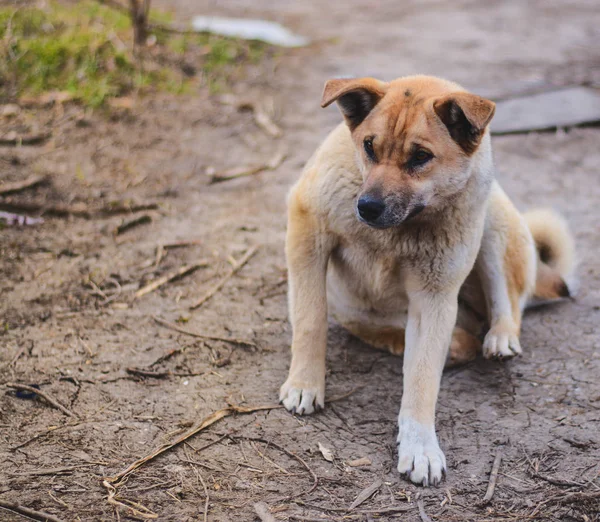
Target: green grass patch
{"points": [[86, 49]]}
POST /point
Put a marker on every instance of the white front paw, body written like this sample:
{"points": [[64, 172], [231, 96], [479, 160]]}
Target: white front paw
{"points": [[419, 454], [302, 398], [501, 345]]}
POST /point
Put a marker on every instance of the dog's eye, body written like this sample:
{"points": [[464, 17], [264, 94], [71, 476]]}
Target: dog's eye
{"points": [[420, 157], [368, 145]]}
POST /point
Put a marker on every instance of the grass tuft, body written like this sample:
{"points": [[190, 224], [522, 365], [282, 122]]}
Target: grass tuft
{"points": [[85, 49]]}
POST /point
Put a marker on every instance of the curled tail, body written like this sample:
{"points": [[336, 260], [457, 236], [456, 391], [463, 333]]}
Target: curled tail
{"points": [[555, 252]]}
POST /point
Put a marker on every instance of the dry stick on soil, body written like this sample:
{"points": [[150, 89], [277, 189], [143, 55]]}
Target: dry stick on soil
{"points": [[207, 499], [365, 494], [132, 223], [291, 455], [43, 395], [264, 121], [240, 172], [199, 335], [205, 423], [180, 272], [18, 186], [31, 513], [493, 478], [262, 510], [14, 359], [147, 373], [234, 270], [28, 139], [422, 513], [76, 211], [136, 509], [51, 471], [180, 244]]}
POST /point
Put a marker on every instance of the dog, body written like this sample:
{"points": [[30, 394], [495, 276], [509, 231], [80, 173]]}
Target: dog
{"points": [[398, 230]]}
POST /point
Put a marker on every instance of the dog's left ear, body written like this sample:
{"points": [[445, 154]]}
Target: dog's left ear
{"points": [[355, 97], [466, 117]]}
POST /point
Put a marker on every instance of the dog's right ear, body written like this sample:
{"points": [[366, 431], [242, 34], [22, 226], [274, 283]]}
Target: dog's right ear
{"points": [[355, 97]]}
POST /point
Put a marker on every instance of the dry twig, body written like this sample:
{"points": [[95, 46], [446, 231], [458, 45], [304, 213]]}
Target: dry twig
{"points": [[12, 139], [365, 494], [27, 512], [43, 395], [493, 478], [291, 455], [205, 423], [207, 499], [18, 186], [82, 211], [234, 270], [199, 335], [132, 223], [136, 509], [180, 272], [422, 514], [181, 244], [14, 359], [240, 172]]}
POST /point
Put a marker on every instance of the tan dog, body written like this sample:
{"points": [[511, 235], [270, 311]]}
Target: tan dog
{"points": [[398, 230]]}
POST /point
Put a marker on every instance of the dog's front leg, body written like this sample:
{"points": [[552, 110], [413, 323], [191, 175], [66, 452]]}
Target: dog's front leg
{"points": [[307, 252], [431, 319]]}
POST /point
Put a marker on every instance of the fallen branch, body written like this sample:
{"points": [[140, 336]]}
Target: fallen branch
{"points": [[51, 471], [259, 112], [135, 508], [13, 139], [180, 244], [240, 172], [205, 423], [147, 373], [206, 495], [264, 121], [180, 272], [234, 270], [43, 395], [422, 514], [132, 223], [83, 211], [365, 494], [291, 455], [14, 359], [199, 335], [18, 186], [27, 512], [493, 478], [556, 481]]}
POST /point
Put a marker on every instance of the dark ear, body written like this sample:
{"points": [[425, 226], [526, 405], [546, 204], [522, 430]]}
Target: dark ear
{"points": [[466, 116], [355, 97]]}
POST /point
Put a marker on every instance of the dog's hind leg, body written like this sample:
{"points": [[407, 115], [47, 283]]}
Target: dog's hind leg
{"points": [[390, 338], [464, 346]]}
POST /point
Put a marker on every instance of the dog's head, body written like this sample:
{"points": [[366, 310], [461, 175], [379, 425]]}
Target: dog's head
{"points": [[416, 140]]}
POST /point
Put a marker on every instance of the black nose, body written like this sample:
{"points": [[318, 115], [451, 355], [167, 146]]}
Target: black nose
{"points": [[370, 208]]}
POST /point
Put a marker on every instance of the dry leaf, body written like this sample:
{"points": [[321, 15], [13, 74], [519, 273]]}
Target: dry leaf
{"points": [[327, 453], [366, 494]]}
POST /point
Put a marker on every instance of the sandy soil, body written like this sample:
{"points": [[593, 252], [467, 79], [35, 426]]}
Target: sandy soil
{"points": [[72, 326]]}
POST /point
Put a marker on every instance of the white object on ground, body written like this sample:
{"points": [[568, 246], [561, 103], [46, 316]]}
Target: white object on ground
{"points": [[249, 29]]}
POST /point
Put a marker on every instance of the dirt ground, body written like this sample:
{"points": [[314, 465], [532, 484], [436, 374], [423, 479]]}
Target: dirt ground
{"points": [[72, 326]]}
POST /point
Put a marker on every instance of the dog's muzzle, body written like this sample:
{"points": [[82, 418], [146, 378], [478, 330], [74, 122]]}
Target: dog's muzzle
{"points": [[370, 209], [380, 212]]}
